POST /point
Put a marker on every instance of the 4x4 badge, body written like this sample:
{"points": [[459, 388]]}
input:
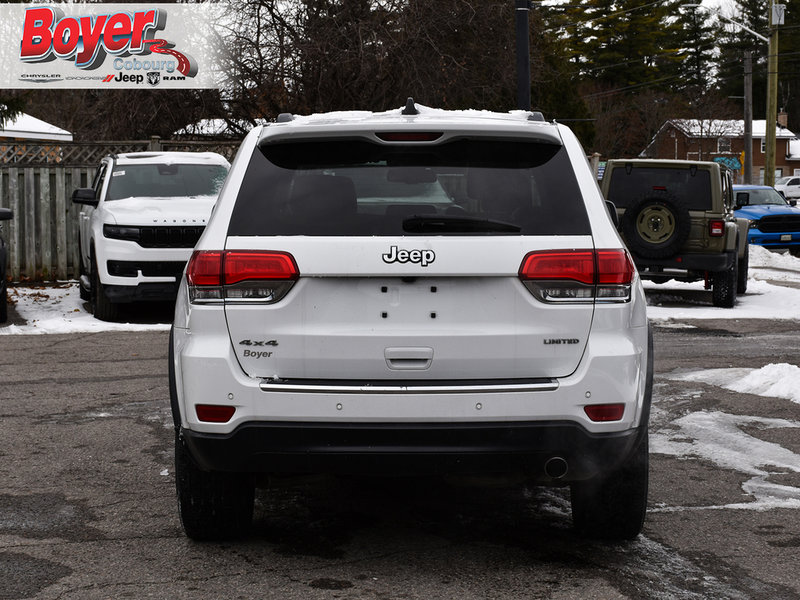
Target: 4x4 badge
{"points": [[423, 257], [258, 343]]}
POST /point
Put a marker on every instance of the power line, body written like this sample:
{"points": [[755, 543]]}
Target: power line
{"points": [[608, 16]]}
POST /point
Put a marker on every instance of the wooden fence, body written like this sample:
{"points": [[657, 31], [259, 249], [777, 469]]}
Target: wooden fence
{"points": [[42, 237], [36, 182]]}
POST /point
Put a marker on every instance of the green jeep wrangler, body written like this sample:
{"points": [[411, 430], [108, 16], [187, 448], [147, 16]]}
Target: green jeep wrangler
{"points": [[676, 217]]}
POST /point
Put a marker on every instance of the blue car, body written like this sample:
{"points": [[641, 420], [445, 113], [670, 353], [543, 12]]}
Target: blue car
{"points": [[774, 222]]}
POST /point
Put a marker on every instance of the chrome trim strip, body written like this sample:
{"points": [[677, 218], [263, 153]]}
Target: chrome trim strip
{"points": [[269, 385]]}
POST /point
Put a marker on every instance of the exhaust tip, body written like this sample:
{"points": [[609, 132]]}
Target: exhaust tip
{"points": [[556, 467]]}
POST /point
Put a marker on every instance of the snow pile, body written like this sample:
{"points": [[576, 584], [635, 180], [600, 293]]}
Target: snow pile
{"points": [[761, 257], [59, 309], [775, 381]]}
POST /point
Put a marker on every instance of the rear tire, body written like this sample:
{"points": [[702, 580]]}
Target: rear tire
{"points": [[613, 507], [102, 307], [744, 266], [213, 506], [723, 286]]}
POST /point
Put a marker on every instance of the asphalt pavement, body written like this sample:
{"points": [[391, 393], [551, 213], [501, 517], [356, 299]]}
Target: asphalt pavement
{"points": [[88, 510]]}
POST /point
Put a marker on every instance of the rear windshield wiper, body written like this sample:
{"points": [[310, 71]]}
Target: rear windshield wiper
{"points": [[455, 224]]}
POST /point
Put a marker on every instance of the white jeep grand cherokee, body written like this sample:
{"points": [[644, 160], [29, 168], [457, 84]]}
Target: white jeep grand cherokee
{"points": [[409, 292], [139, 222]]}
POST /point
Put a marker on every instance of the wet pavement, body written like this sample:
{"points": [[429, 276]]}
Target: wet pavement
{"points": [[87, 506]]}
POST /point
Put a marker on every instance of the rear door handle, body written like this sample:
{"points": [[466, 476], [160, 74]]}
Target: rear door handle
{"points": [[405, 359]]}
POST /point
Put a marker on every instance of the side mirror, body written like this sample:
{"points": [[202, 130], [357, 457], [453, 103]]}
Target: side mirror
{"points": [[84, 196], [612, 212], [742, 199], [6, 214], [792, 202]]}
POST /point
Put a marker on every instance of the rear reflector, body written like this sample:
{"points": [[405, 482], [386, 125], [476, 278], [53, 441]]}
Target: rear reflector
{"points": [[716, 228], [214, 413], [604, 412], [578, 275], [240, 275]]}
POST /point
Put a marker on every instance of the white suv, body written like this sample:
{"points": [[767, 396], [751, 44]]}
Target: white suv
{"points": [[411, 292], [139, 222], [789, 186]]}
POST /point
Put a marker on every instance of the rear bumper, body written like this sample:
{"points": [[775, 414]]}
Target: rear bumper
{"points": [[414, 448], [718, 261]]}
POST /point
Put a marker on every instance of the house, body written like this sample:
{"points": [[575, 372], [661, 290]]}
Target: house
{"points": [[25, 128], [27, 138], [722, 140]]}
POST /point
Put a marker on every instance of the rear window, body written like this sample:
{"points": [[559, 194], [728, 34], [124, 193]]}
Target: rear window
{"points": [[692, 185], [355, 187], [165, 181]]}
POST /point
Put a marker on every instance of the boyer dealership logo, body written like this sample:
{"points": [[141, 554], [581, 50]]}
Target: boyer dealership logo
{"points": [[87, 41]]}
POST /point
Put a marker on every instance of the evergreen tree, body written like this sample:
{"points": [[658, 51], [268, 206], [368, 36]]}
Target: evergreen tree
{"points": [[733, 41], [555, 72], [697, 42], [629, 55], [628, 44], [10, 107]]}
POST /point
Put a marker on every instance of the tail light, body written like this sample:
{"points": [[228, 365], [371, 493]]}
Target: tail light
{"points": [[240, 276], [575, 276], [716, 228]]}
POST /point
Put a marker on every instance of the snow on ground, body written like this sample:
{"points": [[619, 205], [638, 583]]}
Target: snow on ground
{"points": [[722, 439], [59, 309], [726, 440], [765, 297]]}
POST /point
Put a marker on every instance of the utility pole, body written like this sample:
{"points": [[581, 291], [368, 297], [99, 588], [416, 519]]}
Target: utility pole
{"points": [[776, 12], [748, 116], [523, 56], [775, 19]]}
